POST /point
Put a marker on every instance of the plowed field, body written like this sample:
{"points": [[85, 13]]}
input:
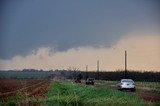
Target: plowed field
{"points": [[29, 88]]}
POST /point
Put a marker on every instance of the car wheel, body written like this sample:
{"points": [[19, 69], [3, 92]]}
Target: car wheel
{"points": [[133, 90], [119, 89]]}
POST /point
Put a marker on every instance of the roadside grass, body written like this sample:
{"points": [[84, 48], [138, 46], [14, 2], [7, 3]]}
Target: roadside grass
{"points": [[106, 84], [150, 87], [156, 84], [64, 93]]}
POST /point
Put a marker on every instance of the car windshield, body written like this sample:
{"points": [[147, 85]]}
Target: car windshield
{"points": [[128, 81], [90, 79]]}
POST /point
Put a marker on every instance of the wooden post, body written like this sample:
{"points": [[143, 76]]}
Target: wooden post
{"points": [[125, 74], [98, 69]]}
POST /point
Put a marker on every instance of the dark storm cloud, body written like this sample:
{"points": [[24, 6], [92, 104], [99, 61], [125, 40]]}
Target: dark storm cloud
{"points": [[26, 25]]}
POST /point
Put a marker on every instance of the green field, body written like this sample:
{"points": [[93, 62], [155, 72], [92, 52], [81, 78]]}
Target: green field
{"points": [[151, 87], [23, 76], [64, 93], [68, 93]]}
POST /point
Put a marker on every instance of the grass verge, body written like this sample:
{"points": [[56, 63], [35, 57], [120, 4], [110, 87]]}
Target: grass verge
{"points": [[63, 93], [150, 87]]}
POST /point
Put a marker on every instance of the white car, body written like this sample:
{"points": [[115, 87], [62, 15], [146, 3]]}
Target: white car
{"points": [[126, 84]]}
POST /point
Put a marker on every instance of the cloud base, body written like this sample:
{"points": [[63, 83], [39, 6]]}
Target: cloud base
{"points": [[143, 51]]}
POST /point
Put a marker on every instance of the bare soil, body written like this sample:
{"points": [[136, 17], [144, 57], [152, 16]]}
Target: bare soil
{"points": [[149, 97], [29, 88]]}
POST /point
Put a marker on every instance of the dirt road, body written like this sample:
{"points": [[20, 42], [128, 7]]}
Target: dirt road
{"points": [[149, 97]]}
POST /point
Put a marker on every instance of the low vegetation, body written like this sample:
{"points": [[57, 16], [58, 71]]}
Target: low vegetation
{"points": [[23, 76], [150, 87], [64, 93], [68, 93]]}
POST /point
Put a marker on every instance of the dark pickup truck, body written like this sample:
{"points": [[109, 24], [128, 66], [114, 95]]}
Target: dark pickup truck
{"points": [[90, 81]]}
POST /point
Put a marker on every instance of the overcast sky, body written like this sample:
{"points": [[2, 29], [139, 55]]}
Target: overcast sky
{"points": [[27, 25]]}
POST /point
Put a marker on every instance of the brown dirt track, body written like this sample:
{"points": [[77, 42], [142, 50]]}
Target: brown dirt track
{"points": [[149, 97]]}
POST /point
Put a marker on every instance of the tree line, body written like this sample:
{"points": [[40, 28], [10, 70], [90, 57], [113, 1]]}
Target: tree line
{"points": [[74, 73], [115, 75]]}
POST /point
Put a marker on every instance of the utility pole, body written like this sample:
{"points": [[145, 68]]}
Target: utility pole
{"points": [[98, 69], [125, 74]]}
